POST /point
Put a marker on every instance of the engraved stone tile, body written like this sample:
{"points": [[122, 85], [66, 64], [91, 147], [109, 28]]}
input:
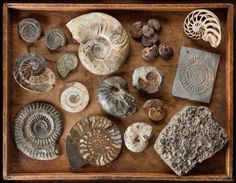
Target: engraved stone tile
{"points": [[191, 137], [195, 75]]}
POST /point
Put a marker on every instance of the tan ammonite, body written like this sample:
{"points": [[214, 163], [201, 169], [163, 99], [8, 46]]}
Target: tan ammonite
{"points": [[104, 43]]}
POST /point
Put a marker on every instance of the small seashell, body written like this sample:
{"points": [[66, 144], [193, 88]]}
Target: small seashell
{"points": [[156, 109], [155, 24], [150, 53], [136, 30], [104, 43], [150, 41], [148, 79], [165, 51], [29, 30], [203, 24], [54, 38], [113, 97], [36, 129], [31, 73], [148, 31], [94, 140], [66, 63], [137, 135], [74, 97]]}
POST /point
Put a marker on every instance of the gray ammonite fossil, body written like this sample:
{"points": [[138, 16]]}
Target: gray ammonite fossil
{"points": [[94, 140], [104, 43], [54, 39], [36, 129], [114, 98], [31, 73], [30, 30]]}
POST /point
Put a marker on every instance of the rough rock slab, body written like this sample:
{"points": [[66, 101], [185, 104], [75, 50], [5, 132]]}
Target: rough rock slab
{"points": [[191, 136]]}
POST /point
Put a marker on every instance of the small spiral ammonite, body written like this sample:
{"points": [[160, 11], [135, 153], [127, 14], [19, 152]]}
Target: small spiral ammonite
{"points": [[37, 127], [29, 30], [54, 38], [97, 140]]}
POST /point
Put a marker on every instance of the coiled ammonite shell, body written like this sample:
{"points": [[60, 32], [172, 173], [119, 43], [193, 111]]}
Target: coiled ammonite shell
{"points": [[94, 140], [66, 63], [29, 29], [104, 43], [37, 127], [148, 79], [203, 24], [74, 97], [31, 73], [54, 39], [114, 98]]}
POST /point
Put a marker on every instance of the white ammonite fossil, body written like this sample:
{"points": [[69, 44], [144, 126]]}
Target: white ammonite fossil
{"points": [[31, 73], [36, 129], [74, 97], [94, 140], [104, 43], [203, 24]]}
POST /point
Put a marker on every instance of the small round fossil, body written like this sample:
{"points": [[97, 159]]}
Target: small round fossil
{"points": [[150, 53], [136, 30], [149, 41], [114, 98], [148, 31], [154, 23], [148, 79], [54, 38], [74, 97], [66, 63], [165, 51], [36, 129], [156, 109], [29, 30], [137, 135], [94, 140]]}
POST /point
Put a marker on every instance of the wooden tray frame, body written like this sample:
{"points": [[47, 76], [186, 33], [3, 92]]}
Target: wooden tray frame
{"points": [[228, 176]]}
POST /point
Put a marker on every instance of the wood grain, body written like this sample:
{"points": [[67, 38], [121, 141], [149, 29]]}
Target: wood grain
{"points": [[142, 166]]}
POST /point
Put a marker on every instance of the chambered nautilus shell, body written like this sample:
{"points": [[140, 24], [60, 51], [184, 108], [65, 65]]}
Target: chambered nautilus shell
{"points": [[94, 140], [203, 24], [114, 98], [104, 43], [31, 73], [36, 129]]}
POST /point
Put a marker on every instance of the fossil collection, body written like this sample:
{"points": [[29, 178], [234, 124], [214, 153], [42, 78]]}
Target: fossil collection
{"points": [[190, 137]]}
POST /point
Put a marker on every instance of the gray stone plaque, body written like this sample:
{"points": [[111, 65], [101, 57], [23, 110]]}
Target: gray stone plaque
{"points": [[195, 75]]}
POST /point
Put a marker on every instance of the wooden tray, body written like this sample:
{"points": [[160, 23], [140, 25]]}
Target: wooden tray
{"points": [[141, 166]]}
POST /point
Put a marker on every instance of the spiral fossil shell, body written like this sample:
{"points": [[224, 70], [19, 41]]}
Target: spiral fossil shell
{"points": [[31, 73], [104, 43], [54, 38], [203, 24], [37, 127], [29, 30], [95, 140], [66, 63], [113, 97], [74, 97]]}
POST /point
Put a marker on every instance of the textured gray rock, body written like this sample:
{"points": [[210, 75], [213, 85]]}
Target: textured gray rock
{"points": [[191, 136]]}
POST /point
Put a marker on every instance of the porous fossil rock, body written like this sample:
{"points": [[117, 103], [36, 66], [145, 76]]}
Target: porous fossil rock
{"points": [[191, 137]]}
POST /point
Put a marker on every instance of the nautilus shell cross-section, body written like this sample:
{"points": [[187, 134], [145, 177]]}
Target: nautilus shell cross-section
{"points": [[104, 43], [195, 75]]}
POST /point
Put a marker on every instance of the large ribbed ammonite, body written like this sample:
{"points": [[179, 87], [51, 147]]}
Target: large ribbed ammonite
{"points": [[31, 73], [94, 140], [104, 43], [36, 129], [29, 30], [54, 38], [74, 97]]}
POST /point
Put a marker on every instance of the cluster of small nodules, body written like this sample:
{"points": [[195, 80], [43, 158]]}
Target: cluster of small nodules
{"points": [[147, 34]]}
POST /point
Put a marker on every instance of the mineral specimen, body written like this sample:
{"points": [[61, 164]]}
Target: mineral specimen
{"points": [[191, 136]]}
